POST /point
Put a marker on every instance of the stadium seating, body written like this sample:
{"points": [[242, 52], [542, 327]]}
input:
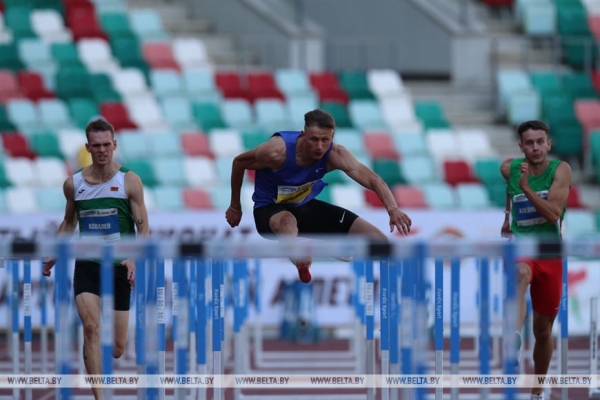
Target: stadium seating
{"points": [[180, 120]]}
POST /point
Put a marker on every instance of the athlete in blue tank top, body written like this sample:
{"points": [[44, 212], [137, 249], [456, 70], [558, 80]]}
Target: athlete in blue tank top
{"points": [[289, 171]]}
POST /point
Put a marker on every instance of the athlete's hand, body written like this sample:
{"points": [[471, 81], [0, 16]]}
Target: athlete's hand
{"points": [[233, 216], [130, 264], [400, 221], [48, 264], [523, 181], [506, 232]]}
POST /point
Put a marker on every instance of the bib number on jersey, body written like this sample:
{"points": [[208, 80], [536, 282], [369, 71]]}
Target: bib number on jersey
{"points": [[525, 213], [103, 224], [293, 194]]}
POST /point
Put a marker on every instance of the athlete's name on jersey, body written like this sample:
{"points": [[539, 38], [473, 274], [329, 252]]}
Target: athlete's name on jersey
{"points": [[526, 210], [99, 226]]}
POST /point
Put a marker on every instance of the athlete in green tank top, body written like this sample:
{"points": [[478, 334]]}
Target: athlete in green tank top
{"points": [[107, 202], [536, 195]]}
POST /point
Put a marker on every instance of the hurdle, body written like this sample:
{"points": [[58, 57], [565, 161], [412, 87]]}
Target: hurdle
{"points": [[363, 249], [594, 392]]}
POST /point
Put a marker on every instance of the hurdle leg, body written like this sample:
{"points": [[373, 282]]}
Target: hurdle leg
{"points": [[484, 322], [439, 322], [217, 268], [182, 332], [44, 322], [107, 323], [192, 322], [27, 321], [15, 342], [406, 323], [594, 392], [384, 322], [201, 322], [454, 322], [393, 302], [564, 328], [161, 322], [140, 323]]}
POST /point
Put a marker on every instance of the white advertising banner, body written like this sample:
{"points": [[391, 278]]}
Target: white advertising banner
{"points": [[331, 278]]}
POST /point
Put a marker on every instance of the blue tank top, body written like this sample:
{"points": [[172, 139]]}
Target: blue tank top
{"points": [[292, 184]]}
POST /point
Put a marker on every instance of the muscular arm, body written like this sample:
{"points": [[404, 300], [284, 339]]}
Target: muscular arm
{"points": [[135, 193], [69, 222], [270, 154], [340, 158], [551, 208]]}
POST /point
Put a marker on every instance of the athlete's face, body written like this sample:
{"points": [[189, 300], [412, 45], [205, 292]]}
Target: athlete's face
{"points": [[101, 146], [317, 141], [535, 145]]}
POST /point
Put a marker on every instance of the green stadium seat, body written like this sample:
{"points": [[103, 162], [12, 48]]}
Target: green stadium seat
{"points": [[3, 206], [66, 56], [594, 148], [5, 124], [46, 145], [254, 137], [82, 110], [572, 20], [178, 113], [143, 168], [73, 83], [325, 194], [567, 139], [546, 82], [389, 171], [579, 85], [208, 116], [339, 112], [558, 109], [4, 180], [487, 171], [431, 114], [355, 83], [9, 57], [336, 176], [102, 89], [34, 52], [497, 194], [598, 220], [17, 20], [56, 5], [128, 52], [116, 25]]}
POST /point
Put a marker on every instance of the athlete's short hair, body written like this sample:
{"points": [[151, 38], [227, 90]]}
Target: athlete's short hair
{"points": [[99, 125], [319, 118], [534, 125]]}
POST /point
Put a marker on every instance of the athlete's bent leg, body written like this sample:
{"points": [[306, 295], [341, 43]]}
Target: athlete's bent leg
{"points": [[285, 224], [361, 226], [121, 328], [544, 345], [523, 280], [88, 308]]}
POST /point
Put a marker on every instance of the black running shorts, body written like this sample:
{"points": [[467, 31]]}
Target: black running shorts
{"points": [[87, 280], [314, 218]]}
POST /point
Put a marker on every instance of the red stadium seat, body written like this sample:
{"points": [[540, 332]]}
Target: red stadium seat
{"points": [[196, 144], [33, 86], [160, 56], [596, 80], [372, 199], [574, 199], [9, 87], [328, 87], [333, 95], [458, 171], [16, 145], [408, 196], [118, 116], [380, 145], [83, 24], [588, 113], [594, 24], [499, 3], [262, 86], [230, 85], [196, 199]]}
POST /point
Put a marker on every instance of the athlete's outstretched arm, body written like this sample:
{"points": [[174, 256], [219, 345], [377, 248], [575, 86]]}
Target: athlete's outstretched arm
{"points": [[270, 154], [340, 158], [135, 193], [557, 194], [69, 222]]}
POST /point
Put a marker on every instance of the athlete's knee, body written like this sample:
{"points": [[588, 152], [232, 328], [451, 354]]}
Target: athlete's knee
{"points": [[542, 331], [283, 223], [91, 331], [523, 273]]}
